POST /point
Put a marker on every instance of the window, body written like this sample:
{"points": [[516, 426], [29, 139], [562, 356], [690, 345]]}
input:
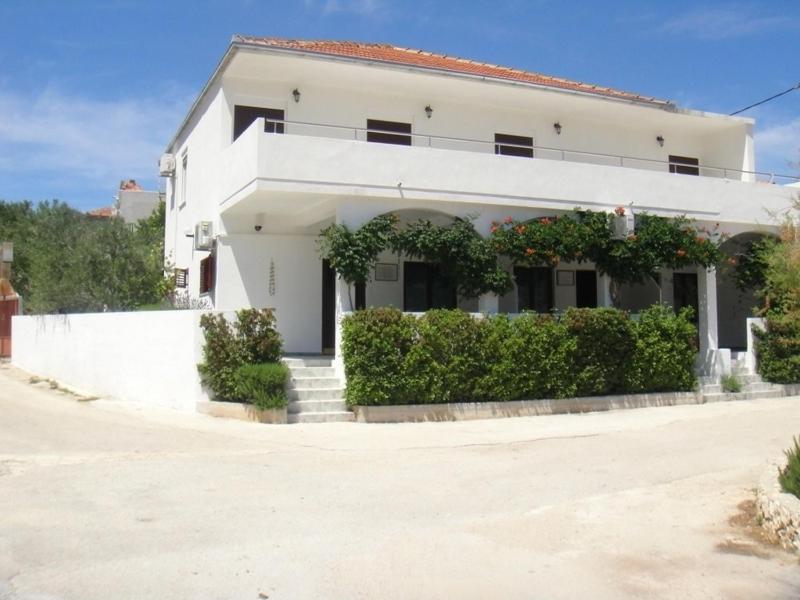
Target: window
{"points": [[243, 117], [513, 145], [181, 278], [425, 287], [676, 165], [388, 132], [534, 288], [208, 268], [184, 178], [586, 289]]}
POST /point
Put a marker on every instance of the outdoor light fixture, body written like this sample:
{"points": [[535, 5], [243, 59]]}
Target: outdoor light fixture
{"points": [[660, 140], [428, 111], [296, 94], [557, 127]]}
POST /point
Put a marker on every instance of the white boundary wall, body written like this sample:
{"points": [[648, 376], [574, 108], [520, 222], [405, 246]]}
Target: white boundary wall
{"points": [[146, 357]]}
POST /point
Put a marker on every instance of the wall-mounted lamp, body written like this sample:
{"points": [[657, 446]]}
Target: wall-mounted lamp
{"points": [[428, 111], [557, 127], [660, 140], [296, 94]]}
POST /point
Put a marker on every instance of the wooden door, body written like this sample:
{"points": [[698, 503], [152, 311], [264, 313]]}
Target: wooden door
{"points": [[328, 308], [586, 289], [8, 308]]}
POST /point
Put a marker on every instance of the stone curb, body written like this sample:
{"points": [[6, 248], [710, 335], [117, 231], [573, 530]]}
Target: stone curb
{"points": [[465, 411], [779, 511], [242, 412]]}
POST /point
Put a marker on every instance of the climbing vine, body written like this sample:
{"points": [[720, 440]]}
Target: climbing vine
{"points": [[470, 261], [655, 243]]}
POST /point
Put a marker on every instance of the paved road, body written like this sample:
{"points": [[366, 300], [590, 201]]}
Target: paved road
{"points": [[100, 500]]}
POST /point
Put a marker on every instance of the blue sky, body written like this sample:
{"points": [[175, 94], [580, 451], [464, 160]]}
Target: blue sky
{"points": [[91, 91]]}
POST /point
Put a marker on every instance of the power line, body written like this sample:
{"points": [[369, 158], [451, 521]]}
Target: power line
{"points": [[794, 87]]}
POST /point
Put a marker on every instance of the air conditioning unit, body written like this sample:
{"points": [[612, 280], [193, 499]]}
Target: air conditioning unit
{"points": [[166, 165], [203, 236]]}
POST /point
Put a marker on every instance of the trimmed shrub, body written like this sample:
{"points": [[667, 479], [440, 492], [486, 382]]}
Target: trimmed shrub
{"points": [[221, 357], [375, 344], [529, 357], [251, 339], [263, 384], [449, 356], [451, 345], [778, 348], [665, 351], [789, 477], [604, 344], [259, 340]]}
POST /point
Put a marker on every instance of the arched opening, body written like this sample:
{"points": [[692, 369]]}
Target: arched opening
{"points": [[411, 283], [735, 304]]}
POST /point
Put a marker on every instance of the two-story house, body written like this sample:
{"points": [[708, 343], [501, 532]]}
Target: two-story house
{"points": [[289, 136]]}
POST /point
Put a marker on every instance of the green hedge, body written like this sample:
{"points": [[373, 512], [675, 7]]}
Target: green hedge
{"points": [[263, 384], [778, 348], [251, 339], [449, 356]]}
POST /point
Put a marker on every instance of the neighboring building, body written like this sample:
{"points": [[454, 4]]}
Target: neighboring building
{"points": [[289, 136], [131, 204]]}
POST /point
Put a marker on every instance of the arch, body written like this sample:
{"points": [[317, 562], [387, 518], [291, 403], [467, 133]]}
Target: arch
{"points": [[735, 305]]}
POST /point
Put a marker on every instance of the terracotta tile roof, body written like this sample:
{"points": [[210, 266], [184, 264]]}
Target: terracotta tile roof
{"points": [[106, 212], [387, 53]]}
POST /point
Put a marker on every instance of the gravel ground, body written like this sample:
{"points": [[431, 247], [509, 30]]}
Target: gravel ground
{"points": [[106, 500]]}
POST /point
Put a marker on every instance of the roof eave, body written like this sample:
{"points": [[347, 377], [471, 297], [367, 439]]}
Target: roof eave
{"points": [[651, 102]]}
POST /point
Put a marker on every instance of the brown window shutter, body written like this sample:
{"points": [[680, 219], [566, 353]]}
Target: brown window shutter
{"points": [[207, 273]]}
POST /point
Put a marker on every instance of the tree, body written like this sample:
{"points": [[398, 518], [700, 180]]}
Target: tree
{"points": [[65, 261]]}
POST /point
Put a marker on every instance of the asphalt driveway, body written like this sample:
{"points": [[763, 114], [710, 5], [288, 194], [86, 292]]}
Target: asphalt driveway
{"points": [[103, 500]]}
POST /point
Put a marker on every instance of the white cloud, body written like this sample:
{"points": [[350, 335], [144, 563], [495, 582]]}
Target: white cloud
{"points": [[778, 147], [80, 139], [714, 24], [364, 8]]}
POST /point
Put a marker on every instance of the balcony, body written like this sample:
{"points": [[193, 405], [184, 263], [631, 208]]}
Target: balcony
{"points": [[312, 164]]}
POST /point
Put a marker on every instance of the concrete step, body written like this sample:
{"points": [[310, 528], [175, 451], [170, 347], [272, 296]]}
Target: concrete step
{"points": [[317, 406], [746, 379], [312, 371], [711, 388], [333, 393], [761, 386], [314, 382], [322, 417], [312, 361]]}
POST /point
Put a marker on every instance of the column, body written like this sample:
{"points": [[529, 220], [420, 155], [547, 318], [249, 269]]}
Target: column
{"points": [[489, 303], [604, 291], [707, 321], [342, 306]]}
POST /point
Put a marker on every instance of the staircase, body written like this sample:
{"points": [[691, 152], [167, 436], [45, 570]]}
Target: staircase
{"points": [[316, 395], [753, 386]]}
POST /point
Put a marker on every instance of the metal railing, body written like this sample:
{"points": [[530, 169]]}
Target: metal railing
{"points": [[541, 152]]}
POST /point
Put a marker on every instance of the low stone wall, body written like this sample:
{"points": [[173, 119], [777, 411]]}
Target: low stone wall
{"points": [[779, 511], [464, 411], [242, 412]]}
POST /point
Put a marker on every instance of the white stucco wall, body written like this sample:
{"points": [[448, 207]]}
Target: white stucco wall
{"points": [[145, 357], [243, 267]]}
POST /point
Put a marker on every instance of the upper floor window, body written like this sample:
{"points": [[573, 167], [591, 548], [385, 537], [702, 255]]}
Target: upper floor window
{"points": [[684, 165], [184, 178], [243, 117], [388, 132], [513, 145]]}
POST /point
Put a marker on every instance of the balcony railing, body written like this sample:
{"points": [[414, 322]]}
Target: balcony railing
{"points": [[539, 152]]}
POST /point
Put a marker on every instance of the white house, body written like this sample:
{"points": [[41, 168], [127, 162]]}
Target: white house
{"points": [[289, 136]]}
